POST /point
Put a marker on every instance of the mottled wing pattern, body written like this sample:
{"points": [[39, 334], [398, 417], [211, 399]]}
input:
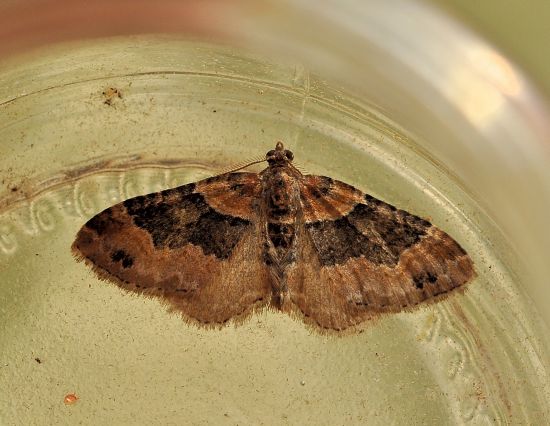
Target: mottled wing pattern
{"points": [[361, 257], [195, 247]]}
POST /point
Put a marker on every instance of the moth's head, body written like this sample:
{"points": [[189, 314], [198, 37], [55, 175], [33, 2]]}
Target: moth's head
{"points": [[279, 155]]}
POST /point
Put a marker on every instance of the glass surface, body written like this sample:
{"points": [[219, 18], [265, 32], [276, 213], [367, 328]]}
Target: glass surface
{"points": [[188, 110]]}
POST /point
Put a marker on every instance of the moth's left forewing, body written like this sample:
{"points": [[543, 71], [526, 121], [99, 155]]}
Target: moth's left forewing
{"points": [[234, 194], [181, 246]]}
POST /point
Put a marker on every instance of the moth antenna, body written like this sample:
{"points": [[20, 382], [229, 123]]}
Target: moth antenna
{"points": [[243, 165]]}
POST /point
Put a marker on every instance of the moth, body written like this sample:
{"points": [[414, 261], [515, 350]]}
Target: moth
{"points": [[307, 245]]}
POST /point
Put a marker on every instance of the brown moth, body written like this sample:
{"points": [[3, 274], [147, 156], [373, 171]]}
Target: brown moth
{"points": [[302, 244]]}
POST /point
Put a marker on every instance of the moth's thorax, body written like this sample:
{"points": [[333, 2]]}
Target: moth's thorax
{"points": [[281, 205], [280, 194]]}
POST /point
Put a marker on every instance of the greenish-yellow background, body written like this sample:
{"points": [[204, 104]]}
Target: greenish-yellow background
{"points": [[521, 29]]}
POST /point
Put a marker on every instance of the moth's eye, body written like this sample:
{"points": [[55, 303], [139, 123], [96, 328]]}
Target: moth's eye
{"points": [[270, 153], [289, 155]]}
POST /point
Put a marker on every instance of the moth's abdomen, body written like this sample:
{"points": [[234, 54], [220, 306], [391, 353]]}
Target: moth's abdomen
{"points": [[281, 234]]}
